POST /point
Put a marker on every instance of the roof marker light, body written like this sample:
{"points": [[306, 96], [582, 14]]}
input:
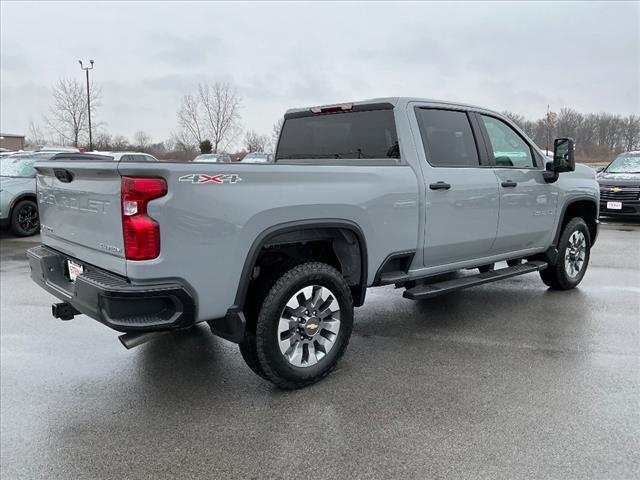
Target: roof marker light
{"points": [[343, 107]]}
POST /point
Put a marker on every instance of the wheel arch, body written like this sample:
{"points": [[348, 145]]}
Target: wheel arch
{"points": [[340, 232], [583, 207], [20, 197]]}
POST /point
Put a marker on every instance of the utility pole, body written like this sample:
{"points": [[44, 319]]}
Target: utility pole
{"points": [[86, 69]]}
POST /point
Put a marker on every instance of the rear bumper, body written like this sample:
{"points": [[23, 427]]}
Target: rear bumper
{"points": [[111, 299]]}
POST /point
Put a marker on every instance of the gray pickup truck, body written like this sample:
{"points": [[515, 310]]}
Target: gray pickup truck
{"points": [[276, 256]]}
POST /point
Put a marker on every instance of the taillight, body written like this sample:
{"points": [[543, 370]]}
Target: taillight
{"points": [[141, 232]]}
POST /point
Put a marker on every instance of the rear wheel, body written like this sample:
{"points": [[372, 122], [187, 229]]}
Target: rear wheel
{"points": [[574, 248], [250, 354], [303, 327], [24, 219]]}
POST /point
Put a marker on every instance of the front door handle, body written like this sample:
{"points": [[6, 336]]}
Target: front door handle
{"points": [[439, 186], [509, 184]]}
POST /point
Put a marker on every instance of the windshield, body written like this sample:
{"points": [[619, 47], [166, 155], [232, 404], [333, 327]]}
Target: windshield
{"points": [[21, 165], [625, 164], [210, 157], [256, 158]]}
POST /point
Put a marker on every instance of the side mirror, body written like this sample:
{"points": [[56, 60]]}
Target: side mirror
{"points": [[563, 155], [600, 169]]}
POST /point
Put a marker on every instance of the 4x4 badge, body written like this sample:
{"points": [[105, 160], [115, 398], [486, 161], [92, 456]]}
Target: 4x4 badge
{"points": [[200, 178]]}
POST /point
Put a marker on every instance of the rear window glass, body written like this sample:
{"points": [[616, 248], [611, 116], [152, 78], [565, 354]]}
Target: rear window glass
{"points": [[447, 138], [349, 135]]}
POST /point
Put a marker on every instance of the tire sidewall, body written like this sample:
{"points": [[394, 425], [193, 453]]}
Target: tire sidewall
{"points": [[577, 224], [16, 228], [267, 326]]}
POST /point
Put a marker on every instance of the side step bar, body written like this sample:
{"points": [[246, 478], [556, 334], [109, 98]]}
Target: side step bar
{"points": [[434, 289]]}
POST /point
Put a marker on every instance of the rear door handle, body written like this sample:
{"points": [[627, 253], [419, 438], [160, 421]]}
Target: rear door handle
{"points": [[439, 186], [509, 184]]}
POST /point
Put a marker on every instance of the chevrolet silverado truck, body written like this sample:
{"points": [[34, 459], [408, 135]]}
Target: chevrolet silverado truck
{"points": [[275, 256]]}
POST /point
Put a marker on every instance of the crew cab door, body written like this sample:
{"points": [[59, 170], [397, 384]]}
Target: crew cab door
{"points": [[461, 189], [527, 203]]}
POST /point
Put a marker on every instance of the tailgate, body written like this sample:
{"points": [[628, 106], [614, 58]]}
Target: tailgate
{"points": [[80, 211]]}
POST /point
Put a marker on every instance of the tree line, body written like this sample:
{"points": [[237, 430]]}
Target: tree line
{"points": [[599, 137], [209, 120]]}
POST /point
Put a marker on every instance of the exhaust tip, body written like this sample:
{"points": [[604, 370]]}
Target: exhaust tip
{"points": [[133, 339]]}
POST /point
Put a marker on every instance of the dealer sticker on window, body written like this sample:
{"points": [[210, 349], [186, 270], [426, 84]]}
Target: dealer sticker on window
{"points": [[614, 205], [74, 270]]}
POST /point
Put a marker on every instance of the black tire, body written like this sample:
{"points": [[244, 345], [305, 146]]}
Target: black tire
{"points": [[270, 360], [514, 262], [556, 276], [24, 219], [486, 268], [250, 354]]}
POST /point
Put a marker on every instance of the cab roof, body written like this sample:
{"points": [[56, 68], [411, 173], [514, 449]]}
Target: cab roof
{"points": [[396, 102]]}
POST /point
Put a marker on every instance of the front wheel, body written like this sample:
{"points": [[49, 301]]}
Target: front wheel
{"points": [[304, 325], [574, 249]]}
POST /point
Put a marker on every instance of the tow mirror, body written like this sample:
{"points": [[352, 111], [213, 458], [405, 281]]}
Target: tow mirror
{"points": [[563, 155]]}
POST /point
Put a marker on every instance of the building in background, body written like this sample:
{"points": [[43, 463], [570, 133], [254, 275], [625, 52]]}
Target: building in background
{"points": [[11, 142]]}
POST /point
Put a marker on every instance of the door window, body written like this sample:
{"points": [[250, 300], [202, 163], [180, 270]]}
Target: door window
{"points": [[447, 138], [509, 149]]}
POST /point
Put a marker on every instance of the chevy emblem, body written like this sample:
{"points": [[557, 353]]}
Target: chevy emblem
{"points": [[312, 326], [616, 189]]}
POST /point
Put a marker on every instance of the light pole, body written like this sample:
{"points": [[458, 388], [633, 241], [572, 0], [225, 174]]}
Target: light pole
{"points": [[86, 69]]}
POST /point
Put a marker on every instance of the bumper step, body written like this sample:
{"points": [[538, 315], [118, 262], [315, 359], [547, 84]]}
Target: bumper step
{"points": [[434, 289]]}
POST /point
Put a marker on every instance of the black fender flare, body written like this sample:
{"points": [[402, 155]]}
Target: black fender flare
{"points": [[563, 211], [264, 236]]}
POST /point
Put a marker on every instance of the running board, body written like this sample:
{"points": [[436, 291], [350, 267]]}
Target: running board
{"points": [[434, 289]]}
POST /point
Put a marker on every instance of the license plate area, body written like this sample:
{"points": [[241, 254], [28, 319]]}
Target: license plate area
{"points": [[614, 205], [74, 269]]}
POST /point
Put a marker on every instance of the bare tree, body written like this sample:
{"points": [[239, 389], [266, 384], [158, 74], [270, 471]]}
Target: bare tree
{"points": [[120, 143], [141, 139], [254, 142], [182, 142], [213, 112], [599, 136], [630, 132], [102, 141], [68, 112], [275, 134], [36, 136], [190, 119], [519, 120]]}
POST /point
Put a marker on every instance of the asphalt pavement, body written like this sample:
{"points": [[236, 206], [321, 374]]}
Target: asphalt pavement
{"points": [[507, 380]]}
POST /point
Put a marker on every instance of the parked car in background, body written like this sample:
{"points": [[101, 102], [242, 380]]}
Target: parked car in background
{"points": [[213, 158], [6, 151], [620, 186], [257, 157], [128, 156], [18, 204], [58, 149]]}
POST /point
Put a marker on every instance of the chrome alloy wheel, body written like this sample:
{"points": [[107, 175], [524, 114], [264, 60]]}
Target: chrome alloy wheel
{"points": [[575, 254], [309, 326]]}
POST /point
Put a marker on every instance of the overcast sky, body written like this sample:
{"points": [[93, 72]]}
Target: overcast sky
{"points": [[506, 56]]}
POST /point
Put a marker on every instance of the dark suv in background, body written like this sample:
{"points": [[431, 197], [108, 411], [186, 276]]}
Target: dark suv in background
{"points": [[620, 186]]}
